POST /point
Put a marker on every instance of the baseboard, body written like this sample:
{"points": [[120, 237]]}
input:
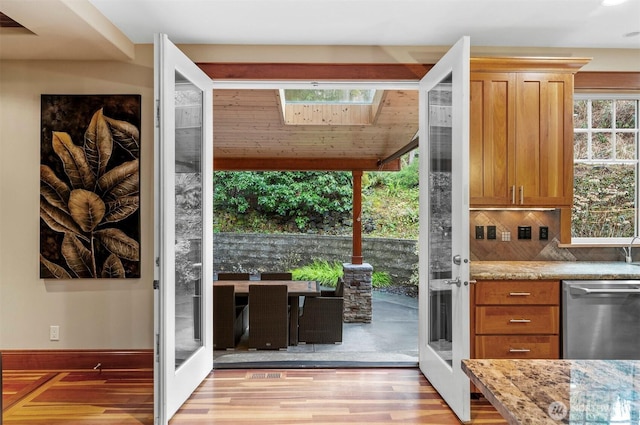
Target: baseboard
{"points": [[76, 359]]}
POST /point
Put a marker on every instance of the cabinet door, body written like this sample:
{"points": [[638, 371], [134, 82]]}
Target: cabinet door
{"points": [[492, 135], [544, 144]]}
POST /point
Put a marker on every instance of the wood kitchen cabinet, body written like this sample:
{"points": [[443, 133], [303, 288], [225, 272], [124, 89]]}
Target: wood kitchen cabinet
{"points": [[521, 132], [515, 319], [491, 137]]}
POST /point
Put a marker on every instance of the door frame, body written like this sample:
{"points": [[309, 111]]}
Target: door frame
{"points": [[229, 83]]}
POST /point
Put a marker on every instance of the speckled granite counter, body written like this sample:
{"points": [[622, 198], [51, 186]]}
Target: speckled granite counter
{"points": [[552, 270], [545, 392]]}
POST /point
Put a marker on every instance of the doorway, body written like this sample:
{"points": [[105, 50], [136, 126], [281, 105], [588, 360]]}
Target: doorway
{"points": [[391, 338]]}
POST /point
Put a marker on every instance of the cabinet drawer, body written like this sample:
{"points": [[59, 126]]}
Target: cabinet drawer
{"points": [[517, 320], [517, 347], [518, 292]]}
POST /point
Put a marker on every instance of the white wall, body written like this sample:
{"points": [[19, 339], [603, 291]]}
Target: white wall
{"points": [[92, 314]]}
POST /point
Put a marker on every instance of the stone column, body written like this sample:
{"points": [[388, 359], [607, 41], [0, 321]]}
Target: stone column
{"points": [[357, 292]]}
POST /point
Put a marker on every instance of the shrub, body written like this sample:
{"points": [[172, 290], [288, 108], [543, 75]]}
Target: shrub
{"points": [[381, 280], [407, 178], [328, 274], [298, 195], [321, 271]]}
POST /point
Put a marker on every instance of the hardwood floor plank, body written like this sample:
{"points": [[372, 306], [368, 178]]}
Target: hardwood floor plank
{"points": [[322, 396], [241, 397], [18, 384], [88, 397]]}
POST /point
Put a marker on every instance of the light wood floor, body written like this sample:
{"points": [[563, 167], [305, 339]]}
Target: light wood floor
{"points": [[291, 396]]}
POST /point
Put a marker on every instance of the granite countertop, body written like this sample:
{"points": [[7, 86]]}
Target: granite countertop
{"points": [[552, 270], [545, 392]]}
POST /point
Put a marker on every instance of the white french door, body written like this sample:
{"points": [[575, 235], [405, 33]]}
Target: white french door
{"points": [[444, 227], [183, 228]]}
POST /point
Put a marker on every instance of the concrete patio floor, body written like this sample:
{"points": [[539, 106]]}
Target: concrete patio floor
{"points": [[391, 339]]}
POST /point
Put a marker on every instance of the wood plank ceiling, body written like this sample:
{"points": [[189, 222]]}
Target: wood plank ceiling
{"points": [[250, 133]]}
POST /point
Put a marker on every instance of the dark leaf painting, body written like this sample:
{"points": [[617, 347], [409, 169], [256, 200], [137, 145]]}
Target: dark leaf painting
{"points": [[90, 186]]}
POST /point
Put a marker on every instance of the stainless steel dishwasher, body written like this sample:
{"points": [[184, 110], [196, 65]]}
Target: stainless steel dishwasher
{"points": [[601, 319]]}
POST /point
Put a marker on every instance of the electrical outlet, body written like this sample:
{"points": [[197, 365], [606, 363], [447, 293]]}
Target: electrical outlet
{"points": [[54, 333], [544, 233], [524, 232], [479, 232], [491, 232]]}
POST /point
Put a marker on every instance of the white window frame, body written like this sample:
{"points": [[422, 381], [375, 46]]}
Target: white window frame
{"points": [[636, 161]]}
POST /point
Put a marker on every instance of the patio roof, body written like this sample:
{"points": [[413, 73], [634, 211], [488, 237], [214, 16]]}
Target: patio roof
{"points": [[255, 130]]}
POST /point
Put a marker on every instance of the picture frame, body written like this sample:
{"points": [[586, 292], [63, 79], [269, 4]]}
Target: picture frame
{"points": [[90, 186]]}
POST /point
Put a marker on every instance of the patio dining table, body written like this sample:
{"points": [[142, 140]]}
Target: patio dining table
{"points": [[295, 290]]}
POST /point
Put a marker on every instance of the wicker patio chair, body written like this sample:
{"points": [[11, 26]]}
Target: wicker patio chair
{"points": [[338, 291], [268, 317], [233, 276], [321, 319], [240, 299], [229, 320], [276, 276]]}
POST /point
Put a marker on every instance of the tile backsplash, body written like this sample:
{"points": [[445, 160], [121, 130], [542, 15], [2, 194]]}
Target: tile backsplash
{"points": [[534, 249]]}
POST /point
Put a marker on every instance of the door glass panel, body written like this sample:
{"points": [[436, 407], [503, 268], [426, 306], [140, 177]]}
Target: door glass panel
{"points": [[188, 223], [439, 103]]}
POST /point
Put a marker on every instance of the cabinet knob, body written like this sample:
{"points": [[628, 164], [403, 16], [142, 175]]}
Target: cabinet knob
{"points": [[519, 294]]}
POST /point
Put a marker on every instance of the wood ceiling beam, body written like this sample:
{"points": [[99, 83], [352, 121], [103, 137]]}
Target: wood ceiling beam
{"points": [[314, 71], [302, 164], [368, 71]]}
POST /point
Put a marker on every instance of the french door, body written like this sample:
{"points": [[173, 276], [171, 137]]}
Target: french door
{"points": [[183, 228], [444, 227]]}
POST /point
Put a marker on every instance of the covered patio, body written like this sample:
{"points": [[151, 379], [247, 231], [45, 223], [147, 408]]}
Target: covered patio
{"points": [[258, 129]]}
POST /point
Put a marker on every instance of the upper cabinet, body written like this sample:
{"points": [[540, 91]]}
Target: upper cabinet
{"points": [[492, 138], [521, 131]]}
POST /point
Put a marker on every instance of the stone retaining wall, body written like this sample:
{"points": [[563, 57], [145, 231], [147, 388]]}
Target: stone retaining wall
{"points": [[253, 252]]}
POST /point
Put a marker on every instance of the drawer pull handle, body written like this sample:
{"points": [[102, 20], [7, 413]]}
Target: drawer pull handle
{"points": [[519, 350], [519, 294], [519, 321]]}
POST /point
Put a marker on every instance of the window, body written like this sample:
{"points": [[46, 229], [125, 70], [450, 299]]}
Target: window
{"points": [[605, 197]]}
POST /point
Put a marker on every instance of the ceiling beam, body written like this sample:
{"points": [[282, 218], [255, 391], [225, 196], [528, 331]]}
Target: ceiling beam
{"points": [[389, 72], [314, 71], [302, 164]]}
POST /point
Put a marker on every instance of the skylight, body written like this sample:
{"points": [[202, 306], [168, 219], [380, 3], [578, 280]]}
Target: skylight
{"points": [[330, 106], [330, 96]]}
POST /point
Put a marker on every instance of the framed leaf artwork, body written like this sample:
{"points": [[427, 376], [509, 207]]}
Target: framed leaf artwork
{"points": [[90, 186]]}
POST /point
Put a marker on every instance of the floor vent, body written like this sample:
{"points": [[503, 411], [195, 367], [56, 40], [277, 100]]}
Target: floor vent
{"points": [[270, 375]]}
